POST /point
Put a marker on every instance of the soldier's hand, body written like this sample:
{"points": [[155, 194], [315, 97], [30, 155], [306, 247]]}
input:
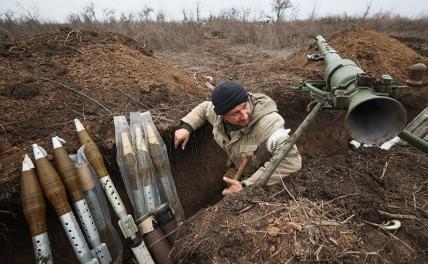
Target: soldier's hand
{"points": [[234, 186], [181, 137]]}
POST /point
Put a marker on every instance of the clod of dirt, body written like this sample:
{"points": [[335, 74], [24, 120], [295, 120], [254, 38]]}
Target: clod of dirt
{"points": [[21, 91]]}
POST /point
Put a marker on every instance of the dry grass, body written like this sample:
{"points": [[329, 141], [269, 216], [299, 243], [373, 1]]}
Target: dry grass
{"points": [[182, 35]]}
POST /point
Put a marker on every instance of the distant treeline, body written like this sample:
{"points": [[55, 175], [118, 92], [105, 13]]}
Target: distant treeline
{"points": [[280, 30]]}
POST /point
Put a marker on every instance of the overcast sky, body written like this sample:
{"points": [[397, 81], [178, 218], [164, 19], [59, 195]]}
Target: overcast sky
{"points": [[57, 10]]}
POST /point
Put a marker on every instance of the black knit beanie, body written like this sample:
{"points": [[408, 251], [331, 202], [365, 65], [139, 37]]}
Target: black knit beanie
{"points": [[227, 95]]}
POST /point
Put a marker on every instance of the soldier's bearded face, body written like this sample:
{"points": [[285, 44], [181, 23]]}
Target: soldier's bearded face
{"points": [[239, 115]]}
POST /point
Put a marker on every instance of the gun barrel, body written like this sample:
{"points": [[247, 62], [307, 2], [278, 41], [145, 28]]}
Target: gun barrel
{"points": [[372, 117], [338, 72]]}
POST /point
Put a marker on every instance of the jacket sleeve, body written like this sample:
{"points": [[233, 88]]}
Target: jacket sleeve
{"points": [[290, 164], [200, 114]]}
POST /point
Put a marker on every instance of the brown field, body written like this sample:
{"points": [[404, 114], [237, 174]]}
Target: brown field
{"points": [[162, 67]]}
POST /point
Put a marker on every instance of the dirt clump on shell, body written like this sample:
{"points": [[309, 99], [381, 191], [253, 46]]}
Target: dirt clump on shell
{"points": [[49, 80]]}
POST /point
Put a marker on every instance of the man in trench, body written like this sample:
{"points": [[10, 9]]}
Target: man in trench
{"points": [[244, 125]]}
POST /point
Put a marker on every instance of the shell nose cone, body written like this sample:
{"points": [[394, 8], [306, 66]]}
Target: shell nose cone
{"points": [[78, 125], [57, 142], [27, 164], [38, 152]]}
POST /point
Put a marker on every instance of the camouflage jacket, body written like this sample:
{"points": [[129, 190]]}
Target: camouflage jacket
{"points": [[261, 139]]}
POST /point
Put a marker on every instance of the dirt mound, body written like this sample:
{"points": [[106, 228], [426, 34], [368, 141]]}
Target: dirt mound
{"points": [[49, 80], [263, 234], [348, 195], [375, 52]]}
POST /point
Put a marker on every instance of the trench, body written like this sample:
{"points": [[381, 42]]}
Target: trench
{"points": [[197, 171]]}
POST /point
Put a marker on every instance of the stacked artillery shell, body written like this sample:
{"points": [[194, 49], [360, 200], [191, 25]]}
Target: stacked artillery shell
{"points": [[55, 192], [134, 181], [126, 156], [98, 207], [126, 222], [33, 205], [162, 166], [145, 165], [70, 177]]}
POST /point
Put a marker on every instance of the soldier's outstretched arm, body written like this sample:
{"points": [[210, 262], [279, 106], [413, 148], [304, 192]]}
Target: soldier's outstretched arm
{"points": [[192, 121]]}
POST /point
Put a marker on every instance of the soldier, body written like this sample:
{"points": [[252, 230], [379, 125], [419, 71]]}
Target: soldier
{"points": [[244, 125]]}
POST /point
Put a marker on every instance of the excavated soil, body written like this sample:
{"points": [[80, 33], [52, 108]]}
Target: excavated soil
{"points": [[49, 80], [329, 211]]}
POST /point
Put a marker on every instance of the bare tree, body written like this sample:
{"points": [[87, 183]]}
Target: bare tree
{"points": [[279, 7], [9, 14], [33, 14], [127, 17], [185, 14], [160, 16], [146, 13], [245, 14], [367, 10], [313, 15], [74, 18], [108, 15], [88, 13], [198, 11]]}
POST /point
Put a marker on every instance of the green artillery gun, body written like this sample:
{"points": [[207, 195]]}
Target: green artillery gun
{"points": [[372, 116]]}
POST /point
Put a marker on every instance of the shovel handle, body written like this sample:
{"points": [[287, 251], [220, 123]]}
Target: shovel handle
{"points": [[242, 168]]}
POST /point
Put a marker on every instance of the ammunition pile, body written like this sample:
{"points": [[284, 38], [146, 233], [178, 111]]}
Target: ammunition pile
{"points": [[54, 190], [146, 172], [126, 221], [141, 181], [70, 177]]}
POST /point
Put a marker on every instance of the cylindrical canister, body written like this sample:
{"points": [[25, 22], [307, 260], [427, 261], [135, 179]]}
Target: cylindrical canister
{"points": [[156, 241], [167, 222], [70, 177], [55, 192], [92, 152], [99, 218], [33, 205], [126, 222]]}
